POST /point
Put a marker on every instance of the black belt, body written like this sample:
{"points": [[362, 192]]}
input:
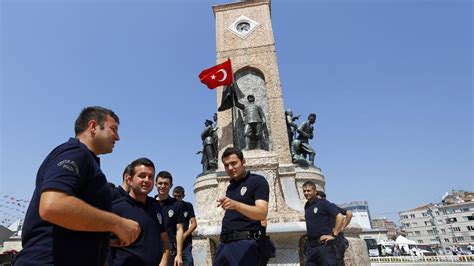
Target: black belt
{"points": [[236, 236], [316, 242]]}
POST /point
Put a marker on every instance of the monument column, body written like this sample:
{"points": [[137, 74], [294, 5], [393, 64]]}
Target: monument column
{"points": [[244, 34]]}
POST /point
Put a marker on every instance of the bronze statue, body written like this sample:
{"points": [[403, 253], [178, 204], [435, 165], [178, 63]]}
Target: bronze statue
{"points": [[290, 125], [209, 149], [254, 120], [300, 147]]}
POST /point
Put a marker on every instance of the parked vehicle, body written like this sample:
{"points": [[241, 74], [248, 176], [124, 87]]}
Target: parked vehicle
{"points": [[425, 250], [372, 247]]}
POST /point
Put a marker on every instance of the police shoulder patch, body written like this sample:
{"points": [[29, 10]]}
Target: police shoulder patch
{"points": [[243, 190], [160, 218], [315, 210], [170, 213]]}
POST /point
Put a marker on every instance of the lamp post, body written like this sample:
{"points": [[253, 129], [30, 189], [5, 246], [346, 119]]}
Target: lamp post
{"points": [[433, 221]]}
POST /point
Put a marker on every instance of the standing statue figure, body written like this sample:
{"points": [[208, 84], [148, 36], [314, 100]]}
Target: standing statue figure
{"points": [[254, 120], [209, 149], [290, 125], [300, 147], [214, 136]]}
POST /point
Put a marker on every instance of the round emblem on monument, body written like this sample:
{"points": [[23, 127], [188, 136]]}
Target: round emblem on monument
{"points": [[243, 26]]}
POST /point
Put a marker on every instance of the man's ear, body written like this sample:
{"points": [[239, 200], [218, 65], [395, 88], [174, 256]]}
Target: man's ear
{"points": [[129, 178], [91, 125]]}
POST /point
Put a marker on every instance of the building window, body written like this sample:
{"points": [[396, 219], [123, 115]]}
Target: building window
{"points": [[417, 233], [472, 237], [412, 216], [415, 224], [465, 210], [470, 218], [446, 240], [456, 229], [404, 216], [430, 232], [443, 231], [424, 214], [437, 212], [459, 238], [420, 241], [451, 220], [470, 228]]}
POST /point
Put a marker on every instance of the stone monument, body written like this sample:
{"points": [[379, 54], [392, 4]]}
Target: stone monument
{"points": [[244, 34]]}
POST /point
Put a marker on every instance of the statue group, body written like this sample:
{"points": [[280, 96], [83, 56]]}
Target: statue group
{"points": [[254, 128], [298, 137]]}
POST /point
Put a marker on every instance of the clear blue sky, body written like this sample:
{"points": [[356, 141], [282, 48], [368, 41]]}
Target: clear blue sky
{"points": [[391, 82]]}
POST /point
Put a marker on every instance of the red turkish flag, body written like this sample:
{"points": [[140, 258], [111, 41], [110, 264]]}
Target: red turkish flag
{"points": [[218, 75]]}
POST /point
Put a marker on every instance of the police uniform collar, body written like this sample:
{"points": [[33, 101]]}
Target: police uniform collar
{"points": [[165, 201], [241, 179], [312, 201], [134, 201], [82, 145]]}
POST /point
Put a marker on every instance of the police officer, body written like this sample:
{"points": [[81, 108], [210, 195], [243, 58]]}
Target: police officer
{"points": [[245, 205], [152, 246], [173, 217], [189, 226], [122, 190], [321, 232], [341, 242], [68, 220]]}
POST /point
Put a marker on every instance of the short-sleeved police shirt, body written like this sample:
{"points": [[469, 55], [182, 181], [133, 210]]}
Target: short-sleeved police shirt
{"points": [[147, 249], [319, 215], [73, 169], [188, 213], [172, 210], [118, 192], [247, 190], [341, 211]]}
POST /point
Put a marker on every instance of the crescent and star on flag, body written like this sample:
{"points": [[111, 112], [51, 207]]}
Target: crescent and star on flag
{"points": [[218, 75]]}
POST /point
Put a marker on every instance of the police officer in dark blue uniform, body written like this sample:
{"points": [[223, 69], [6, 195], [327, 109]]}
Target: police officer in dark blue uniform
{"points": [[189, 225], [153, 243], [245, 205], [320, 215], [341, 242], [69, 219], [173, 217], [122, 190]]}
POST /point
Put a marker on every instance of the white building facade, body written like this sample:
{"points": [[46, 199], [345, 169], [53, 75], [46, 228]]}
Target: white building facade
{"points": [[440, 224]]}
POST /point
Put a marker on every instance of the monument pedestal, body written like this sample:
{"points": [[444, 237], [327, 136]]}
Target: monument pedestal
{"points": [[286, 225]]}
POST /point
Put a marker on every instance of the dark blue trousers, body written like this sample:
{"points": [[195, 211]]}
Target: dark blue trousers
{"points": [[322, 255], [242, 252], [188, 255]]}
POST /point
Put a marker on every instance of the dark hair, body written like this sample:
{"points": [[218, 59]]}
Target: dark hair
{"points": [[127, 171], [229, 151], [97, 113], [179, 189], [309, 184], [321, 194], [164, 174], [312, 115], [140, 161]]}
